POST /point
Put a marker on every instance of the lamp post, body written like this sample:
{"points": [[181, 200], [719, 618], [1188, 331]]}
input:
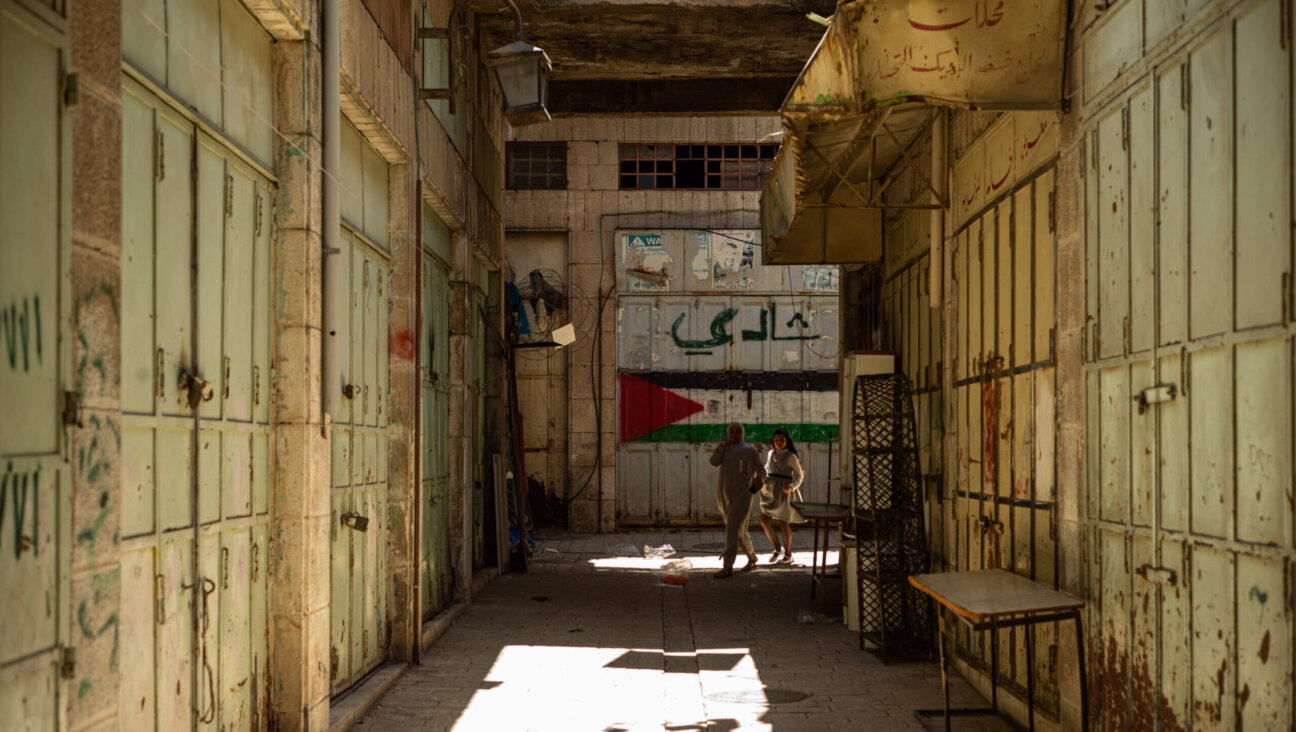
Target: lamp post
{"points": [[523, 73]]}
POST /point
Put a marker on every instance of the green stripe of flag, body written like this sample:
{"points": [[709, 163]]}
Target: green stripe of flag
{"points": [[801, 432]]}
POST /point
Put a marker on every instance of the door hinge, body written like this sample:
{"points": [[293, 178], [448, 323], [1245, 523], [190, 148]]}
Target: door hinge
{"points": [[67, 666], [1185, 87], [71, 89], [225, 568], [1284, 25], [260, 207], [1052, 211], [1093, 151], [227, 377], [159, 154], [1125, 133], [256, 561], [1290, 569], [1286, 298], [333, 663], [256, 385], [72, 409], [229, 195], [160, 581], [1126, 339], [161, 364]]}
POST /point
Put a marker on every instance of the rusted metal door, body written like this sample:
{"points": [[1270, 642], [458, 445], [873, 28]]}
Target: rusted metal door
{"points": [[359, 467], [195, 441], [434, 344], [1189, 398], [35, 545], [706, 336], [359, 515], [1002, 510]]}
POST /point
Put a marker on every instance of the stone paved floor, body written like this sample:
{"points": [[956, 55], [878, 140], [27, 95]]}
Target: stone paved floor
{"points": [[591, 639]]}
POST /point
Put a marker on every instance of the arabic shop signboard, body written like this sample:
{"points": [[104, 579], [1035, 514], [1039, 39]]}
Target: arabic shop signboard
{"points": [[979, 53]]}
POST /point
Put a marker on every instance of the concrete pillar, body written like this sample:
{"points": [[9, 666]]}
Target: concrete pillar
{"points": [[94, 455], [461, 417], [300, 506], [403, 492]]}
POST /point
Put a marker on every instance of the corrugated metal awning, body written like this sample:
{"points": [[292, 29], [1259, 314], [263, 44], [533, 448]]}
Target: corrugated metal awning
{"points": [[867, 94]]}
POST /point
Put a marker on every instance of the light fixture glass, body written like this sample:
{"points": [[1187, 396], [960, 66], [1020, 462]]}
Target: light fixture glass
{"points": [[523, 73]]}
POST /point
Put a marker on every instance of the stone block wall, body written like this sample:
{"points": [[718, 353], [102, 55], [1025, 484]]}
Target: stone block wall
{"points": [[589, 211]]}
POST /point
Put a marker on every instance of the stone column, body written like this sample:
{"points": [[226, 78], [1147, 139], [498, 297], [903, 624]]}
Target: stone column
{"points": [[95, 265], [300, 554], [461, 418], [403, 546]]}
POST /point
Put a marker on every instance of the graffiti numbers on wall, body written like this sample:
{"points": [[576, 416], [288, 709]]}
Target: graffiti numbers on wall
{"points": [[19, 497], [721, 336], [20, 328]]}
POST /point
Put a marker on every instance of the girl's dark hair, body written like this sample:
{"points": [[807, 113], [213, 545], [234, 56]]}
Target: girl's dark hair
{"points": [[790, 446]]}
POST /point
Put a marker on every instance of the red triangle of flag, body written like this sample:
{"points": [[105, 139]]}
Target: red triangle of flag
{"points": [[647, 407]]}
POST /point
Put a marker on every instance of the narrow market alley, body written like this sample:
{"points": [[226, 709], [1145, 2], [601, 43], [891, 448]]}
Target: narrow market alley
{"points": [[591, 639], [351, 351]]}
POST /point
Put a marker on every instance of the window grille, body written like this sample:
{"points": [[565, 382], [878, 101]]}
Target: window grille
{"points": [[537, 165], [708, 167]]}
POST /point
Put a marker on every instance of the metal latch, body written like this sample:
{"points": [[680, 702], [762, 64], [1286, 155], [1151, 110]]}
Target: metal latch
{"points": [[350, 391], [1158, 575], [991, 526], [197, 389], [1155, 395], [355, 521]]}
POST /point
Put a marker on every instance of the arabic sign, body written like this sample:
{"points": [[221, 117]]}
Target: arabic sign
{"points": [[960, 52]]}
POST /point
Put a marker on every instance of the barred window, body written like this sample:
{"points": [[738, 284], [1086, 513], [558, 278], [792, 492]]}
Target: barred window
{"points": [[537, 165], [725, 167]]}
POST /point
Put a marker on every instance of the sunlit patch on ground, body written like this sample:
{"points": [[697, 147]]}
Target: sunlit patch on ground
{"points": [[801, 561]]}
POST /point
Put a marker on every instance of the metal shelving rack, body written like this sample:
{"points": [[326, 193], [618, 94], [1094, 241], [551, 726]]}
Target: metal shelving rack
{"points": [[891, 540]]}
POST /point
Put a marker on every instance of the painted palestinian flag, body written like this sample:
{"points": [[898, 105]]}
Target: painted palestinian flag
{"points": [[697, 406]]}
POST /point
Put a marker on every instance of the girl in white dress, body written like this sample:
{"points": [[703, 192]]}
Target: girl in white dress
{"points": [[783, 477]]}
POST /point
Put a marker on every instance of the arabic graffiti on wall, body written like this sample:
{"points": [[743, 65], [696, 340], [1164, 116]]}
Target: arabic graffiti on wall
{"points": [[20, 326], [768, 331], [19, 500]]}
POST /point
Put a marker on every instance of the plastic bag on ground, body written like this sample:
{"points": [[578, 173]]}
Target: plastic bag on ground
{"points": [[679, 566], [660, 552]]}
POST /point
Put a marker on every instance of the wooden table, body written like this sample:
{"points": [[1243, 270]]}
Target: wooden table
{"points": [[990, 599], [821, 515]]}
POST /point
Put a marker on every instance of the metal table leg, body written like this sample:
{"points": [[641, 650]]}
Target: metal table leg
{"points": [[994, 666], [1030, 676], [1080, 659], [940, 645], [814, 557], [945, 711]]}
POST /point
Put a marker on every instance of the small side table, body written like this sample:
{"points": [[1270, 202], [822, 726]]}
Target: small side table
{"points": [[990, 599], [821, 516]]}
